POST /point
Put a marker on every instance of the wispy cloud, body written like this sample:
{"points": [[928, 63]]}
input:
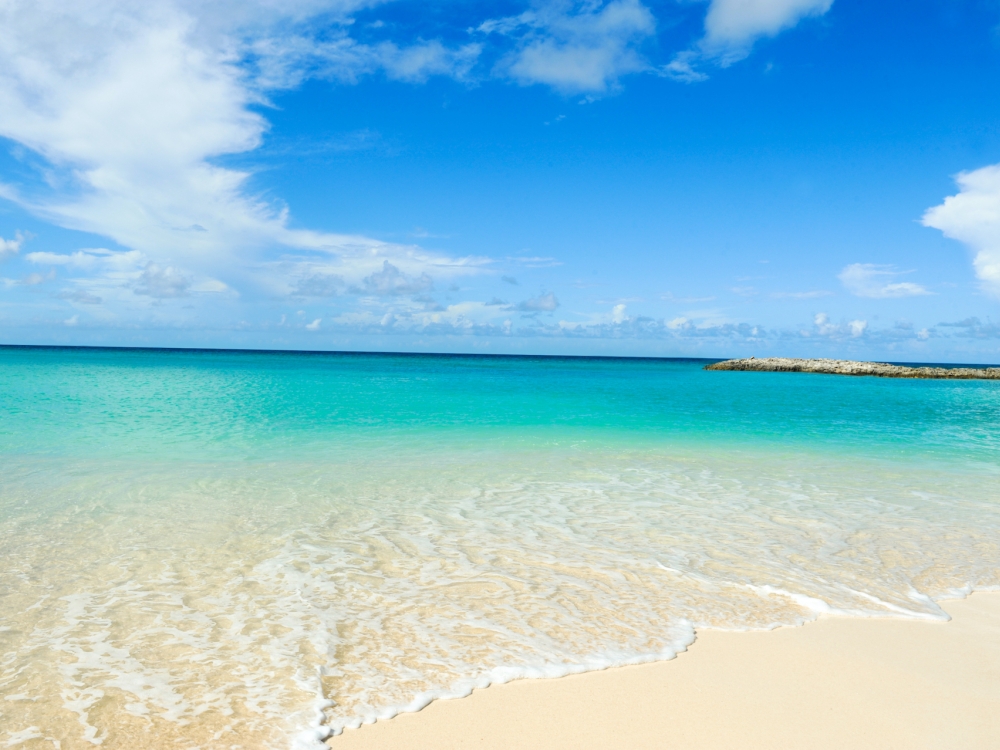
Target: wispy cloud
{"points": [[131, 104], [670, 297], [974, 328], [814, 294], [10, 247], [534, 261], [876, 281], [575, 46], [732, 27]]}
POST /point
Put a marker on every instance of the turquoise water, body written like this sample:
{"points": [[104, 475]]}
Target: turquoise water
{"points": [[258, 406], [244, 549]]}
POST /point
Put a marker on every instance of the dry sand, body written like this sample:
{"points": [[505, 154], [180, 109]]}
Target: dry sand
{"points": [[838, 683]]}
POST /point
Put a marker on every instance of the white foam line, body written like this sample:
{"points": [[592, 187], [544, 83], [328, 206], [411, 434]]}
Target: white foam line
{"points": [[311, 739]]}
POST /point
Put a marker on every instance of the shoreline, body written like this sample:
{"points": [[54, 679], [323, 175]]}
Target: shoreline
{"points": [[854, 368], [834, 682]]}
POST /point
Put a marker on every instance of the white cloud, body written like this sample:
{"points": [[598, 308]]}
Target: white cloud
{"points": [[534, 261], [802, 295], [732, 27], [72, 321], [576, 46], [317, 283], [541, 303], [420, 61], [973, 217], [875, 281], [682, 69], [79, 259], [822, 326], [389, 280], [10, 247], [670, 297], [79, 296], [162, 282], [132, 102], [858, 327], [38, 278], [314, 326]]}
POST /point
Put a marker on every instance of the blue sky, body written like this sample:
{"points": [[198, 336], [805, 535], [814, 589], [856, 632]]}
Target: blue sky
{"points": [[719, 178]]}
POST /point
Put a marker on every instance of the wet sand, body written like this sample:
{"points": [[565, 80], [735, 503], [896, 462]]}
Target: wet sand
{"points": [[835, 683]]}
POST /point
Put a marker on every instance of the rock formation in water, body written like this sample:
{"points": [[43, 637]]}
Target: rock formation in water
{"points": [[847, 367]]}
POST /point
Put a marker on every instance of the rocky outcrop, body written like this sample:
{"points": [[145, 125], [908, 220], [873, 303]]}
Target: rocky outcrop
{"points": [[847, 367]]}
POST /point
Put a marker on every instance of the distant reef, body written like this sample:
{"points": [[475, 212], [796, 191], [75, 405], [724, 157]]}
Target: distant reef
{"points": [[847, 367]]}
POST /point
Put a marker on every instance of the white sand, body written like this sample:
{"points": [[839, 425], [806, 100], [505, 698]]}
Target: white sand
{"points": [[839, 683]]}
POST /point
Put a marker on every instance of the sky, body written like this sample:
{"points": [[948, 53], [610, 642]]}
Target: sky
{"points": [[705, 178]]}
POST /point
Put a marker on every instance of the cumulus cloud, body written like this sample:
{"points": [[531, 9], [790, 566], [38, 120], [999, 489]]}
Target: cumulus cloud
{"points": [[875, 281], [575, 46], [319, 284], [10, 247], [974, 328], [79, 259], [823, 326], [973, 217], [391, 281], [541, 303], [162, 282], [123, 279], [732, 27], [80, 296]]}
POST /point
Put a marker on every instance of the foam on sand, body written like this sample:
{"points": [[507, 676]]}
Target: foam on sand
{"points": [[833, 684]]}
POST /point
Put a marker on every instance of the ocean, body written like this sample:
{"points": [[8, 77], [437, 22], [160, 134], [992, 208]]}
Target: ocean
{"points": [[218, 549]]}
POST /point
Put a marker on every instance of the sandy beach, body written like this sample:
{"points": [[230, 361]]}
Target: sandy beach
{"points": [[835, 683]]}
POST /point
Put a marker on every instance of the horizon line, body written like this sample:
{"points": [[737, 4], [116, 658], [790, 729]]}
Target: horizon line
{"points": [[481, 355]]}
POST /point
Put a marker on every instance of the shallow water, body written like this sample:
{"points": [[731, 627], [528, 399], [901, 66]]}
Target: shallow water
{"points": [[240, 550]]}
